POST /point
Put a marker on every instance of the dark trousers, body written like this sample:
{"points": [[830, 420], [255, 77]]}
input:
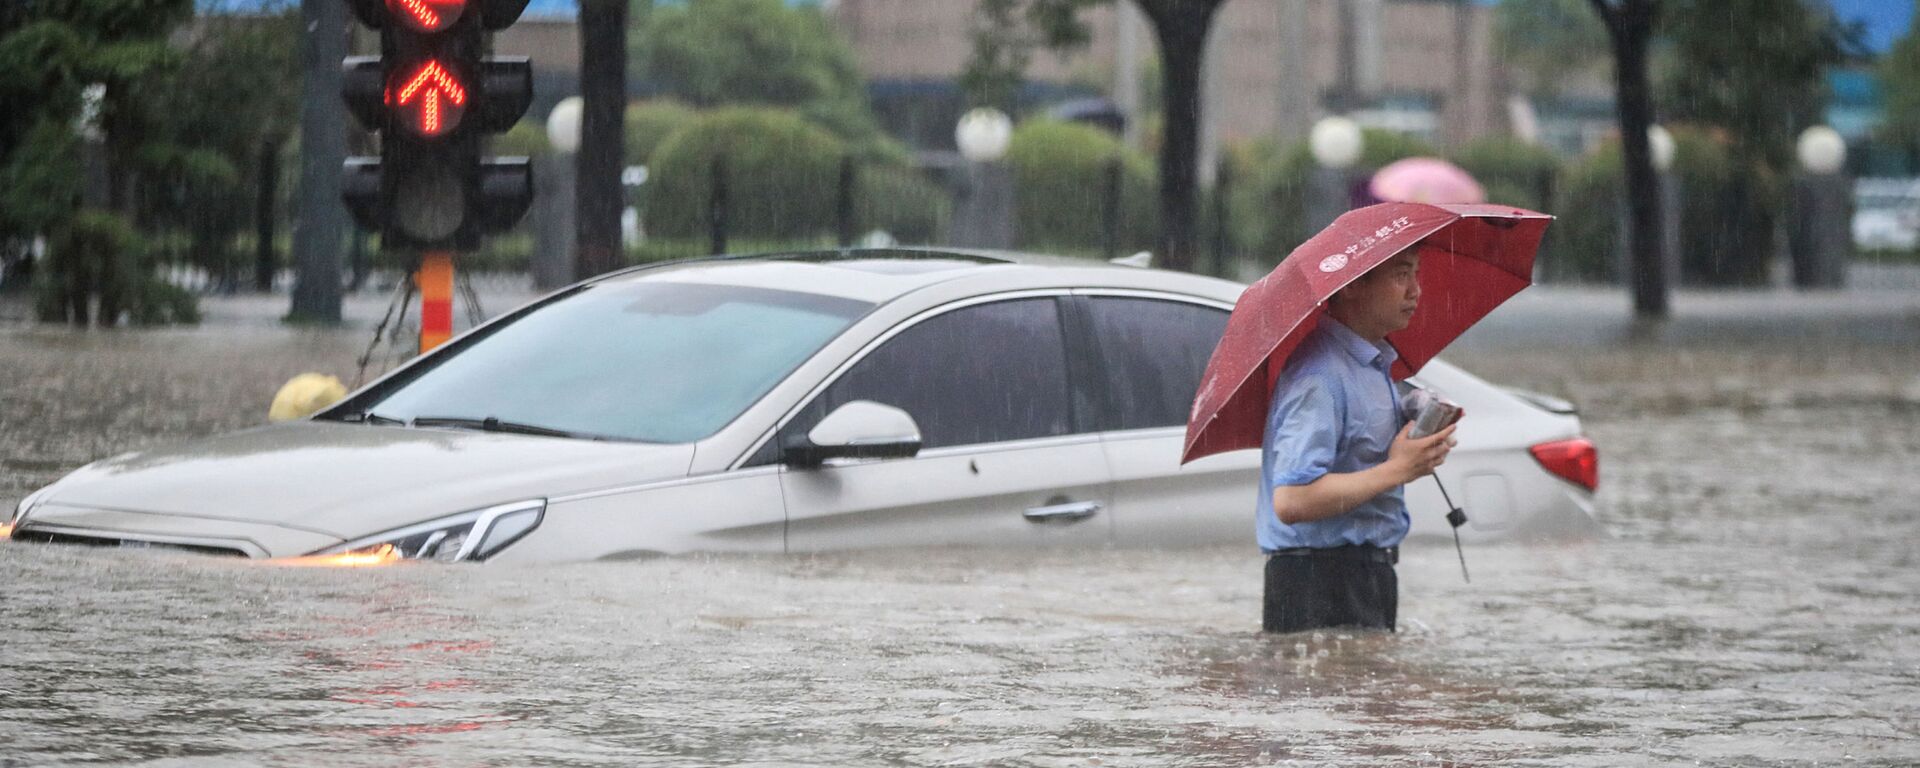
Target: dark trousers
{"points": [[1339, 587]]}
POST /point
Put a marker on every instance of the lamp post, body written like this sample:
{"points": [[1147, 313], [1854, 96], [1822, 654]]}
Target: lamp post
{"points": [[984, 216], [553, 241], [1335, 143], [1661, 146], [1819, 231]]}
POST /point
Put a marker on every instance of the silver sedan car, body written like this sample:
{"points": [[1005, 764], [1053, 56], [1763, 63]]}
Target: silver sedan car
{"points": [[787, 403]]}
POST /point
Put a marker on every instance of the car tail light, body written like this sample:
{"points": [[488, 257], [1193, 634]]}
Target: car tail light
{"points": [[1576, 460]]}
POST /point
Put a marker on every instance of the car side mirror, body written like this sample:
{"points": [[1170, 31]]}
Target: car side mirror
{"points": [[862, 429]]}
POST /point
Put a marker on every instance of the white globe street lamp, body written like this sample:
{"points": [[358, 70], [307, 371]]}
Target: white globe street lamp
{"points": [[1821, 150], [563, 125], [1336, 142], [983, 135], [1660, 142]]}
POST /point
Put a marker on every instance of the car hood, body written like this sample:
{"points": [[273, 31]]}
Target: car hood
{"points": [[353, 480]]}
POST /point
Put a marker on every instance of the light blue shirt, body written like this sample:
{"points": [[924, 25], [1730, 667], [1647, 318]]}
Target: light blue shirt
{"points": [[1335, 409]]}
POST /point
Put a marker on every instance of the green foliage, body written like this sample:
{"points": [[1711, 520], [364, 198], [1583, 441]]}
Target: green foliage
{"points": [[1726, 228], [1759, 74], [650, 123], [49, 51], [781, 173], [1004, 35], [527, 138], [760, 52], [902, 202], [1382, 147], [1512, 171], [1269, 212], [96, 259], [1060, 170], [1759, 77], [1899, 72], [1584, 244], [1548, 41], [1719, 236], [39, 180], [187, 119], [211, 123]]}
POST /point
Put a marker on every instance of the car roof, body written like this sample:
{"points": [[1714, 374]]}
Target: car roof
{"points": [[875, 275]]}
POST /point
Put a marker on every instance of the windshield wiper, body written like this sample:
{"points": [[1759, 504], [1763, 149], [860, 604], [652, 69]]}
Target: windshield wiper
{"points": [[369, 417], [491, 424]]}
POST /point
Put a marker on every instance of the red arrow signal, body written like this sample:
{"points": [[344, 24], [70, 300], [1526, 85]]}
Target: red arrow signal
{"points": [[427, 15], [431, 101]]}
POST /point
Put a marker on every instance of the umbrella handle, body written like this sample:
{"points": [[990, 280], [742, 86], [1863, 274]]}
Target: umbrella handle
{"points": [[1456, 517]]}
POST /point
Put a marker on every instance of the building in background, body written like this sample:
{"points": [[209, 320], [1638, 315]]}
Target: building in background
{"points": [[1425, 67]]}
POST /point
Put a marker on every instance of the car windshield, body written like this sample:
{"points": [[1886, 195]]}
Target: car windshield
{"points": [[653, 361]]}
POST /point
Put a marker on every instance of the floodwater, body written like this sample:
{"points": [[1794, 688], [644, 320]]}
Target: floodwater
{"points": [[1754, 605]]}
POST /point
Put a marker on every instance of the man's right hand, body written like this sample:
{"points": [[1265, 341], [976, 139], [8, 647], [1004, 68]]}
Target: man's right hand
{"points": [[1414, 458]]}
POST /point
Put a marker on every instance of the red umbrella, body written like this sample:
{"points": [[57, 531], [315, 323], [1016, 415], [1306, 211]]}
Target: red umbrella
{"points": [[1472, 258]]}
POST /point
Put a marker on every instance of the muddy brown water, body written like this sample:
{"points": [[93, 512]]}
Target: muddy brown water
{"points": [[1754, 605]]}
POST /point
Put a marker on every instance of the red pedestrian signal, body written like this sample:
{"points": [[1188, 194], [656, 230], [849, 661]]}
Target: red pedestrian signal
{"points": [[430, 101], [427, 15]]}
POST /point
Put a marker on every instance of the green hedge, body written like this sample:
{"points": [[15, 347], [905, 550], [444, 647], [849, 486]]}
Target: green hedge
{"points": [[649, 123], [1060, 172], [1583, 244], [98, 260], [1725, 230], [781, 173], [902, 202], [1513, 172], [1726, 226], [1269, 211]]}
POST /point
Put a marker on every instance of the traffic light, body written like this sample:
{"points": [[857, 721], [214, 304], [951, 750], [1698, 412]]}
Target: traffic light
{"points": [[433, 96]]}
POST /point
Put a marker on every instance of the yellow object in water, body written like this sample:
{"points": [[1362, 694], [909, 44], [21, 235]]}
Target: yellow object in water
{"points": [[304, 394]]}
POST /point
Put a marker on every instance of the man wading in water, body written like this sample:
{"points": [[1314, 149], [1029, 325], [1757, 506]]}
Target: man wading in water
{"points": [[1334, 459]]}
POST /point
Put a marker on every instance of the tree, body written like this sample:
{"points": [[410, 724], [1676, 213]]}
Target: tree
{"points": [[1630, 29], [50, 52], [87, 64], [1548, 40], [756, 52], [1004, 35], [603, 86], [1900, 74], [320, 221], [1181, 27], [1759, 76], [228, 115]]}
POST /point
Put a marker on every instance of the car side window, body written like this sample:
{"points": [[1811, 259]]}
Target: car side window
{"points": [[986, 373], [1154, 352]]}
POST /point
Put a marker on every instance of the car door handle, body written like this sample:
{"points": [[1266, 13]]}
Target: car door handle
{"points": [[1062, 513]]}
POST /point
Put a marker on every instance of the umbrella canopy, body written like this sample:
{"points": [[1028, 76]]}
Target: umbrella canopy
{"points": [[1426, 180], [1472, 258]]}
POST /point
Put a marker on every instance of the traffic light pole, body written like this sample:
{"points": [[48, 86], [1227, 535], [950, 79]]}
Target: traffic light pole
{"points": [[435, 279]]}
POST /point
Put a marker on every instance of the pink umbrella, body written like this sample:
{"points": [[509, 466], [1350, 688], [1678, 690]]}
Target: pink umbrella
{"points": [[1426, 180]]}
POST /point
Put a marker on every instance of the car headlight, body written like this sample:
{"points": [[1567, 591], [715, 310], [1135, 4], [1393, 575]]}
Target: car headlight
{"points": [[20, 512], [468, 536]]}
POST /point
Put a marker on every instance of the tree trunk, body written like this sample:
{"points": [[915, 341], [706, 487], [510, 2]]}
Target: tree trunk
{"points": [[1181, 26], [603, 87], [264, 261], [321, 215], [1630, 25]]}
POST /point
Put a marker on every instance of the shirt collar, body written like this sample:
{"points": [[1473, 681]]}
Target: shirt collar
{"points": [[1366, 352]]}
